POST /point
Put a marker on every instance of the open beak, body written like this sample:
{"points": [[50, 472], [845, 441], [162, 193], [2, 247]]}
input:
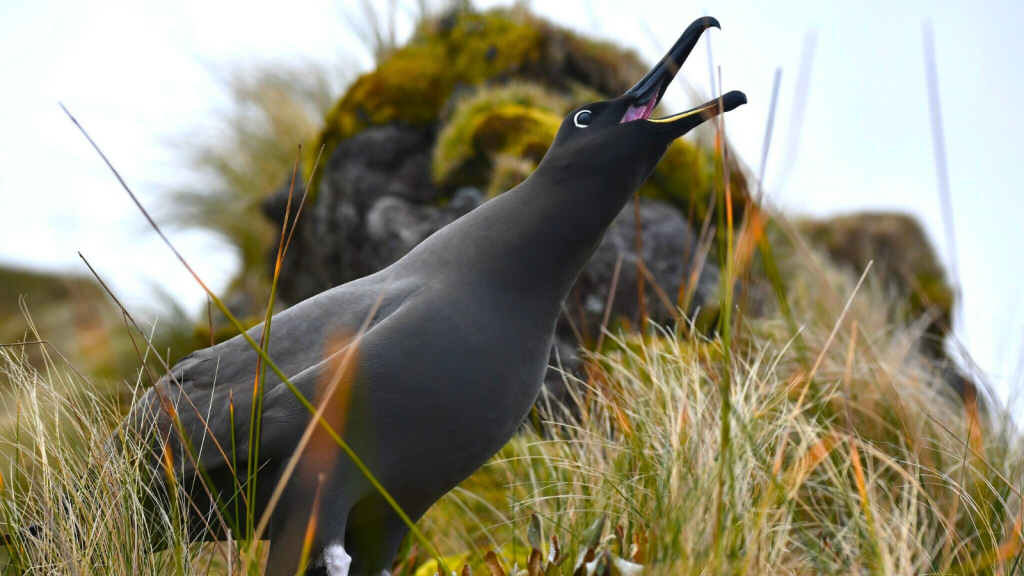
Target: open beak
{"points": [[648, 92]]}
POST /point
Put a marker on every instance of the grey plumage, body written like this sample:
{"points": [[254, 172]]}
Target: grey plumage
{"points": [[454, 355]]}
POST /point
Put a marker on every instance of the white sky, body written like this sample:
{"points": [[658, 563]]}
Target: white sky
{"points": [[138, 74]]}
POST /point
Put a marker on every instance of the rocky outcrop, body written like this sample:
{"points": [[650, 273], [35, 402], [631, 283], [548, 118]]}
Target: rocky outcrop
{"points": [[337, 241], [905, 261], [901, 256], [669, 249]]}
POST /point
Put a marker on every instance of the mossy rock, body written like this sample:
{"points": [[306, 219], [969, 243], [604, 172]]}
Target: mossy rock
{"points": [[410, 87], [896, 244], [901, 256], [465, 49], [413, 85], [489, 44], [518, 121], [932, 291], [691, 178], [415, 82], [684, 177]]}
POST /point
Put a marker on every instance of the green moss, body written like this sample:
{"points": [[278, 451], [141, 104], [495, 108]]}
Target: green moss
{"points": [[932, 291], [465, 48], [683, 177], [410, 87], [518, 122], [515, 122], [414, 84], [580, 94], [482, 46]]}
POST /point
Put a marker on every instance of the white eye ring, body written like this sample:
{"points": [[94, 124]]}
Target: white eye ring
{"points": [[576, 118]]}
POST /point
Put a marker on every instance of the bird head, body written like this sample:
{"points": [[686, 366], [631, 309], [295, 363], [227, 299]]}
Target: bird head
{"points": [[620, 136]]}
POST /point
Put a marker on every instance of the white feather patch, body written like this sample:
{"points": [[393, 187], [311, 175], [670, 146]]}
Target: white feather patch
{"points": [[337, 561]]}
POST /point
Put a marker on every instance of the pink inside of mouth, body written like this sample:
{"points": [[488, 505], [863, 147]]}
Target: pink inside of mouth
{"points": [[642, 112]]}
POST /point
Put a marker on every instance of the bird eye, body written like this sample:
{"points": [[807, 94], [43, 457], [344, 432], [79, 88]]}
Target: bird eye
{"points": [[582, 119]]}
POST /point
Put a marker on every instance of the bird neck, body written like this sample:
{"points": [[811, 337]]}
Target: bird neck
{"points": [[560, 223], [534, 240]]}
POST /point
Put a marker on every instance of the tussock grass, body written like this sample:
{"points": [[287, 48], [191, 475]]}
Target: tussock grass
{"points": [[874, 465], [71, 504], [865, 468]]}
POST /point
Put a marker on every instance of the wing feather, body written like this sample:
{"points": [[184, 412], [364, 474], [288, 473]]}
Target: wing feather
{"points": [[210, 385]]}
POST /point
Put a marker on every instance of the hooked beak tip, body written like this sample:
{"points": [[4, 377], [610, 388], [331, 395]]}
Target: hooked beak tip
{"points": [[656, 81], [733, 100], [708, 22]]}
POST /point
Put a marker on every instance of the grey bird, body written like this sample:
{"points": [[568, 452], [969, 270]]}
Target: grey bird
{"points": [[453, 354]]}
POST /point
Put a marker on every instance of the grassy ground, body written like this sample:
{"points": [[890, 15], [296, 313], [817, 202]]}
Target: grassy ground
{"points": [[845, 453]]}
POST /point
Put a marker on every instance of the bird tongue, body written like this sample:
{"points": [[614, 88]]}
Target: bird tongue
{"points": [[642, 110]]}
